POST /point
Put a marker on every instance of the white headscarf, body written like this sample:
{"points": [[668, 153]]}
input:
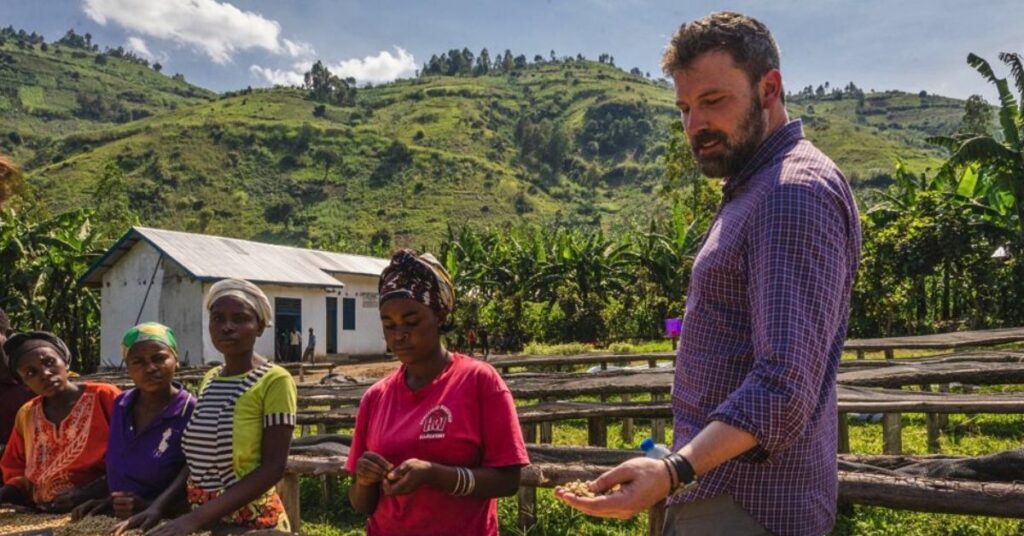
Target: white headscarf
{"points": [[248, 293]]}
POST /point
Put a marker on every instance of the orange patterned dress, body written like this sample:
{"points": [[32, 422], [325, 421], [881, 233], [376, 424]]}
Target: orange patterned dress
{"points": [[45, 460]]}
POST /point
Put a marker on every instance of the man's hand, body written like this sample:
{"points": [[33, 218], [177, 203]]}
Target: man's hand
{"points": [[372, 469], [644, 482], [126, 504], [408, 477]]}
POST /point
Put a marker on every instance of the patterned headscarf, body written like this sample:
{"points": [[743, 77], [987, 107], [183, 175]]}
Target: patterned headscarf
{"points": [[418, 277], [149, 331], [248, 293], [21, 344]]}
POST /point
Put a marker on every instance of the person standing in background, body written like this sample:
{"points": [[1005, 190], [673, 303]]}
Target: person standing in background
{"points": [[471, 340], [296, 345], [485, 343], [310, 354]]}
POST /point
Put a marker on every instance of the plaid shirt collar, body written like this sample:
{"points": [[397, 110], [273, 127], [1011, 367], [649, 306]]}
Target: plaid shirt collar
{"points": [[779, 141]]}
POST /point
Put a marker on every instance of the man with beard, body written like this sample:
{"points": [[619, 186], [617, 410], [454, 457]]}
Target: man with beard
{"points": [[754, 397]]}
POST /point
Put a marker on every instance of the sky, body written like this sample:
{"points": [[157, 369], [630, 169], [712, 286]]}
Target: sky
{"points": [[224, 45]]}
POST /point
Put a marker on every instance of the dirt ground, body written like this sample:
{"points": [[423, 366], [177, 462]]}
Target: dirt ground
{"points": [[373, 370]]}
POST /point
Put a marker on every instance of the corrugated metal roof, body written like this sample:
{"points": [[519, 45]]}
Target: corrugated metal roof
{"points": [[209, 257]]}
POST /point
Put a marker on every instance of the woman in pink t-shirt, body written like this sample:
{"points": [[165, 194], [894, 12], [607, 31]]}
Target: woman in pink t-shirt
{"points": [[437, 441]]}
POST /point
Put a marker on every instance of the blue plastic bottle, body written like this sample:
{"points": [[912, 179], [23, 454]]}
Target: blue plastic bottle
{"points": [[654, 450]]}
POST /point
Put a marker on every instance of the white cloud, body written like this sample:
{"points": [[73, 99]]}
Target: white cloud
{"points": [[138, 46], [384, 67], [297, 49], [279, 77], [217, 29], [377, 69]]}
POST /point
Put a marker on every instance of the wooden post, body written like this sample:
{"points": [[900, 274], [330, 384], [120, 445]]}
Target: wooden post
{"points": [[933, 432], [652, 363], [527, 508], [932, 421], [546, 433], [844, 434], [656, 519], [627, 423], [288, 490], [942, 419], [860, 354], [604, 365], [892, 437], [597, 431], [302, 372], [657, 425], [889, 353], [329, 488], [530, 433]]}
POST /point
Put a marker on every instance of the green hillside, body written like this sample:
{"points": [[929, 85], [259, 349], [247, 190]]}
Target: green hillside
{"points": [[46, 94], [576, 142]]}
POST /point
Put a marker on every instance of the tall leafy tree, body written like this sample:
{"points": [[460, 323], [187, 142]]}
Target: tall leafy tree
{"points": [[324, 86], [1003, 157], [483, 63]]}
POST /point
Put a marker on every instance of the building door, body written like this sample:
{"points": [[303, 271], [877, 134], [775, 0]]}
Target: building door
{"points": [[332, 325], [348, 314], [287, 318]]}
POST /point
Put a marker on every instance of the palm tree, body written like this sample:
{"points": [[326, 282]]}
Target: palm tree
{"points": [[39, 287]]}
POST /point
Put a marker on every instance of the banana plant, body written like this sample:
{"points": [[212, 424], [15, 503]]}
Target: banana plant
{"points": [[1000, 157]]}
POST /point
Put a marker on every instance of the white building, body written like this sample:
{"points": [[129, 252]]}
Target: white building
{"points": [[163, 276]]}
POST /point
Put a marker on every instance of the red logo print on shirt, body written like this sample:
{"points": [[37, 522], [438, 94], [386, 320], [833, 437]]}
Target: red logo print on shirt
{"points": [[435, 421]]}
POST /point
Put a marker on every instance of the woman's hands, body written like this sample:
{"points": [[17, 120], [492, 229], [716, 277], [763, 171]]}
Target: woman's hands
{"points": [[371, 469], [126, 504], [409, 476], [90, 508]]}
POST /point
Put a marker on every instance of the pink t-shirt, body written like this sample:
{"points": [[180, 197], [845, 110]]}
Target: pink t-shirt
{"points": [[465, 417]]}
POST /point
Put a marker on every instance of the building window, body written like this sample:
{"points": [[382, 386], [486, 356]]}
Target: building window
{"points": [[348, 314]]}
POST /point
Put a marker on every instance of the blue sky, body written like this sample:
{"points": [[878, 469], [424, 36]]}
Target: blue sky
{"points": [[229, 44]]}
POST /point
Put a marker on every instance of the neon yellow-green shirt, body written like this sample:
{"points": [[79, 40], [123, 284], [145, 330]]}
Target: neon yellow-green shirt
{"points": [[224, 439]]}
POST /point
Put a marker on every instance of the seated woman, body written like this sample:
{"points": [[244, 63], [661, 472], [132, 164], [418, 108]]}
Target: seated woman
{"points": [[55, 457], [437, 441], [236, 444], [144, 455]]}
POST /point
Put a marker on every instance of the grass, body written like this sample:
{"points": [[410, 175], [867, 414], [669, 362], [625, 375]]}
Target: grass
{"points": [[576, 348]]}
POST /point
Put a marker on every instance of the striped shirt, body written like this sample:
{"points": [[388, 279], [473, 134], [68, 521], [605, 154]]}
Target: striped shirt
{"points": [[223, 440]]}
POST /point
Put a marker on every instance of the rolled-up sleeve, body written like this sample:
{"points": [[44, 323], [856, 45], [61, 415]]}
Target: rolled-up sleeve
{"points": [[797, 263]]}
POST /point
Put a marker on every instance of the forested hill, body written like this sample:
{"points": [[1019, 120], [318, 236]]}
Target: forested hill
{"points": [[568, 140]]}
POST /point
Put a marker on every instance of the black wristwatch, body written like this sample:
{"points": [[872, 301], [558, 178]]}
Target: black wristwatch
{"points": [[681, 474]]}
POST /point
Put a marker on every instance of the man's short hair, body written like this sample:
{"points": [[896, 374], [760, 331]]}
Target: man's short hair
{"points": [[746, 39]]}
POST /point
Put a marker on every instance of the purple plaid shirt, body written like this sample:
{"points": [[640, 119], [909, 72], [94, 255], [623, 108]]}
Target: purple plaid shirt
{"points": [[766, 317]]}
